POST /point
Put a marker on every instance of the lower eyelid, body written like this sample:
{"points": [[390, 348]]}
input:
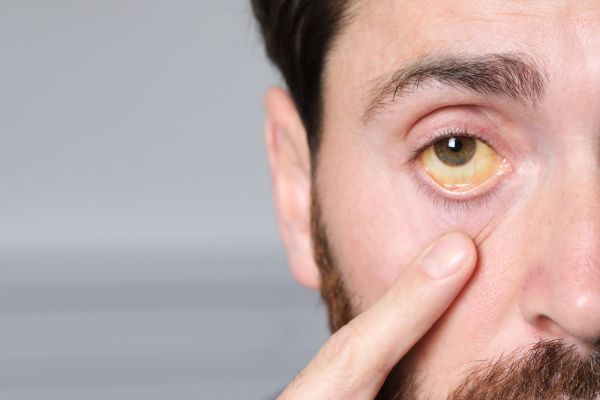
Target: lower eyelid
{"points": [[452, 202]]}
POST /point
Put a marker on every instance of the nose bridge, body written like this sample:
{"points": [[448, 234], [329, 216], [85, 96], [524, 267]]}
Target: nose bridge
{"points": [[567, 275]]}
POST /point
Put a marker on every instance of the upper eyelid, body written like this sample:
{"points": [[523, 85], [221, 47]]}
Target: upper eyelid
{"points": [[445, 133]]}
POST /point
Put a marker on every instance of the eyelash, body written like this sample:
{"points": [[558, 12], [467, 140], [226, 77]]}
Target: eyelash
{"points": [[448, 204], [444, 134]]}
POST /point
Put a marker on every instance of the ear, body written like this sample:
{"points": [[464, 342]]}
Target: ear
{"points": [[289, 162]]}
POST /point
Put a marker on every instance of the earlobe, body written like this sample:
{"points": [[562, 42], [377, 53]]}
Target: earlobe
{"points": [[289, 163]]}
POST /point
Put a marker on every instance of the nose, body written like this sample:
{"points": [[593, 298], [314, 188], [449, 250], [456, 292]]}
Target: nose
{"points": [[562, 293]]}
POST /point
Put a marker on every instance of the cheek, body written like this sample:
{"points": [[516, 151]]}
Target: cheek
{"points": [[374, 237], [366, 223]]}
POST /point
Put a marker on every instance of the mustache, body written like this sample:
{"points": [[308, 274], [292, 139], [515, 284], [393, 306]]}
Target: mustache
{"points": [[549, 370]]}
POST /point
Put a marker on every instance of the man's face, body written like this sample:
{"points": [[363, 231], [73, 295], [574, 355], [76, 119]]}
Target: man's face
{"points": [[533, 210]]}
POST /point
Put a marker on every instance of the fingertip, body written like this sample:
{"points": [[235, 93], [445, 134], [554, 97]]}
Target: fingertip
{"points": [[465, 242], [451, 254]]}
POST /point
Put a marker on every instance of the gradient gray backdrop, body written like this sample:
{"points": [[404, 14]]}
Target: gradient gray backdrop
{"points": [[139, 256]]}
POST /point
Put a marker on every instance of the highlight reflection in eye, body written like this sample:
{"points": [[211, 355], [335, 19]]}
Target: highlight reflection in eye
{"points": [[460, 163]]}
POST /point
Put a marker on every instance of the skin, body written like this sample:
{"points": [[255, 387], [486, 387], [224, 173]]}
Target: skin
{"points": [[537, 237]]}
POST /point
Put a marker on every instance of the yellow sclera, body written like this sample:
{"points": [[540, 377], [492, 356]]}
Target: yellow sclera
{"points": [[484, 164]]}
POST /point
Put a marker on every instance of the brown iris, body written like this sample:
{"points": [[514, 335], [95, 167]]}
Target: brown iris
{"points": [[455, 150]]}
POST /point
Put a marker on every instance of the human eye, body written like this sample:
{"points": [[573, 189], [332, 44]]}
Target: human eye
{"points": [[460, 163], [458, 168]]}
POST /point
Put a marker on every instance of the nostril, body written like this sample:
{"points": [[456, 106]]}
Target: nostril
{"points": [[549, 327], [545, 323], [563, 305]]}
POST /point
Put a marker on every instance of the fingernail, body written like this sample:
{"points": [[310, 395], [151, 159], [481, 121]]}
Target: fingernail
{"points": [[446, 257]]}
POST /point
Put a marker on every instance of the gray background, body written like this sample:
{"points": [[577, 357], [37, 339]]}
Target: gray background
{"points": [[139, 256]]}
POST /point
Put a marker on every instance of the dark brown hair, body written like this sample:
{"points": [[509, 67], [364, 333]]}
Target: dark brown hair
{"points": [[298, 35]]}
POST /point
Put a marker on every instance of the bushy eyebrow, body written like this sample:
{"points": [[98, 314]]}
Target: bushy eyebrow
{"points": [[514, 76]]}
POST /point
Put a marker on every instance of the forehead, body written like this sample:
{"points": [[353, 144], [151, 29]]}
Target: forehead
{"points": [[409, 27], [382, 35]]}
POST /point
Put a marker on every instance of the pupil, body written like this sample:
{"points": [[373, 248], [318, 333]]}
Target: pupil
{"points": [[455, 145]]}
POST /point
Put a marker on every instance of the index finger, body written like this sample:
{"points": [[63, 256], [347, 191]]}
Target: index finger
{"points": [[356, 360]]}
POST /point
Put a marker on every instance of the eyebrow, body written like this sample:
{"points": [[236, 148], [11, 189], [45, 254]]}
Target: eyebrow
{"points": [[510, 75]]}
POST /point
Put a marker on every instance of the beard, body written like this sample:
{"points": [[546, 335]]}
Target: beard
{"points": [[549, 370]]}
